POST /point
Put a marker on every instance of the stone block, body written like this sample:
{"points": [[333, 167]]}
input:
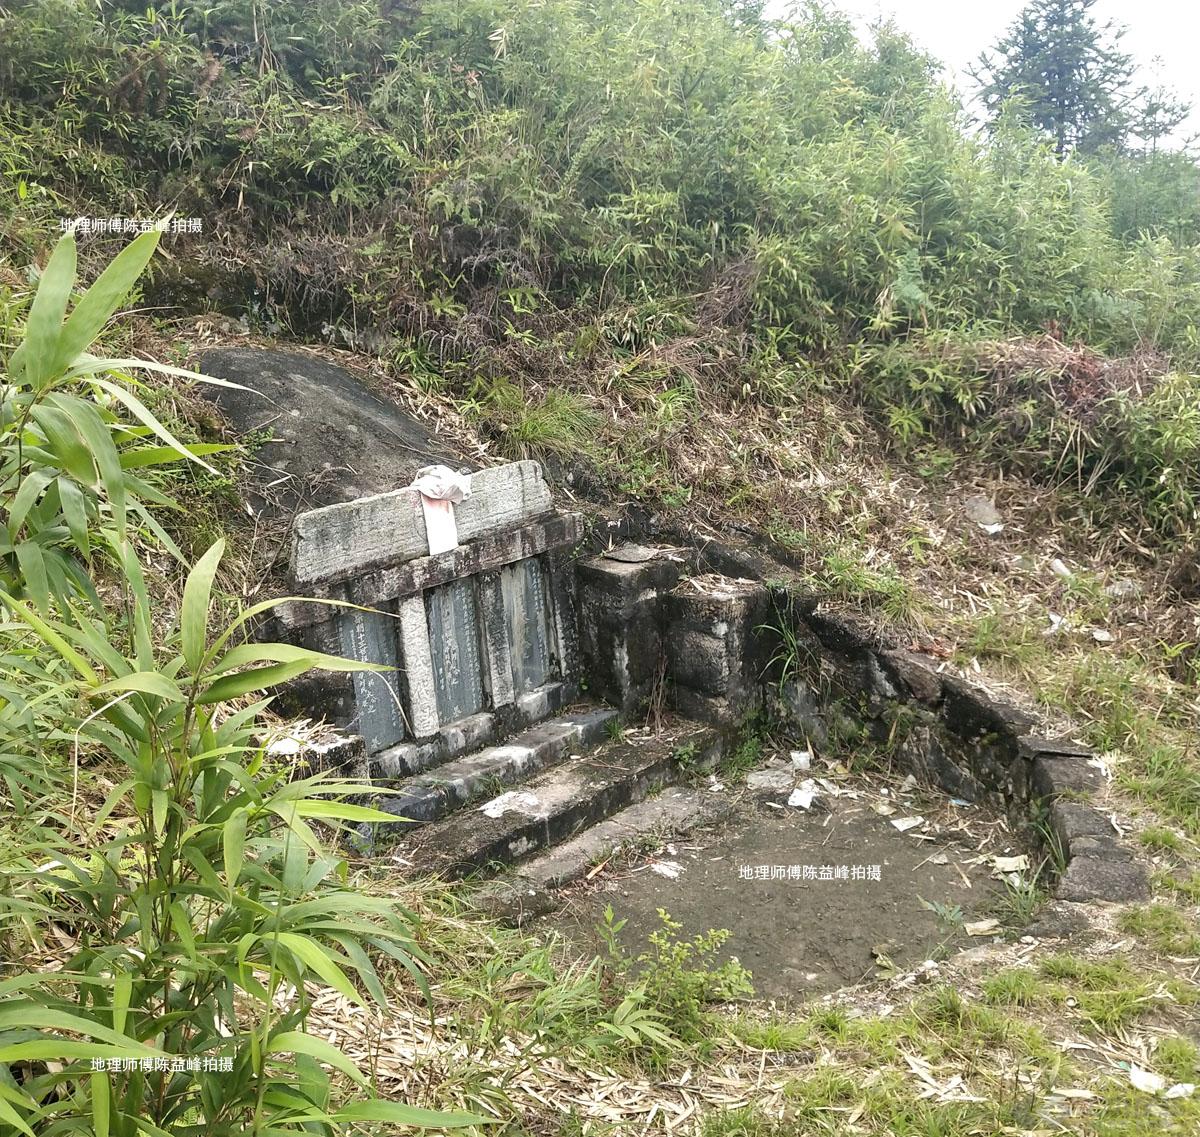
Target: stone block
{"points": [[914, 675], [455, 648], [1104, 848], [417, 658], [349, 538], [799, 705], [1031, 745], [716, 710], [344, 757], [1054, 775], [713, 647], [1072, 820], [933, 759], [841, 632], [970, 712], [700, 660], [1103, 879], [621, 622]]}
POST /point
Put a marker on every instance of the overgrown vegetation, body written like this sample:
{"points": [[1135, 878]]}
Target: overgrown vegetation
{"points": [[685, 250], [668, 206], [188, 905]]}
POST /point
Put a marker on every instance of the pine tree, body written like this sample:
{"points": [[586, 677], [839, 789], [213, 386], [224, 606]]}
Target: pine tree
{"points": [[1069, 73]]}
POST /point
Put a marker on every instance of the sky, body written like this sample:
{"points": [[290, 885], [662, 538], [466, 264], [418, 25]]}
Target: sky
{"points": [[1163, 36]]}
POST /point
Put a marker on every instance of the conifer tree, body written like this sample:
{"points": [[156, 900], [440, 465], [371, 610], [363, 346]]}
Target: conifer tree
{"points": [[1068, 71]]}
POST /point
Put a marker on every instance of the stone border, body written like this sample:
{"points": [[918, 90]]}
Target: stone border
{"points": [[949, 732], [966, 741]]}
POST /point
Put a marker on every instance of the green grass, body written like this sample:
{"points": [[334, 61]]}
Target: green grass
{"points": [[1014, 987], [1158, 839], [1020, 901], [1164, 928], [773, 1034], [1007, 637], [1187, 887], [740, 1123], [1111, 994], [1177, 1059], [846, 573]]}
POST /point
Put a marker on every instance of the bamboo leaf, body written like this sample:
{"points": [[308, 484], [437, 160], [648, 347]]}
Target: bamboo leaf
{"points": [[103, 450], [74, 507], [37, 353], [101, 1103], [65, 442], [197, 594], [294, 1042], [50, 636], [234, 846], [33, 572], [25, 1013], [244, 654], [317, 959], [99, 302], [92, 365], [256, 679], [23, 500], [164, 455], [344, 811], [140, 411], [145, 682]]}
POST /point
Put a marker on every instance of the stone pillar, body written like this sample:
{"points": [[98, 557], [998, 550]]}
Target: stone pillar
{"points": [[622, 621], [714, 648]]}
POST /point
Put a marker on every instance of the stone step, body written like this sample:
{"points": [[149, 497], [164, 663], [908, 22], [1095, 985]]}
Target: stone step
{"points": [[562, 801], [530, 890], [426, 797]]}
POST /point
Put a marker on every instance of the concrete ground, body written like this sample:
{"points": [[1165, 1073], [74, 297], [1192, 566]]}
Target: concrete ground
{"points": [[892, 896]]}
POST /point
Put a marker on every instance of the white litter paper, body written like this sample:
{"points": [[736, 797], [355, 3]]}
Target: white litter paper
{"points": [[904, 824], [669, 869], [519, 801], [804, 794], [1146, 1080], [802, 760]]}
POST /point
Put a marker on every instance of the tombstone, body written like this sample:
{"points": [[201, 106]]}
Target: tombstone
{"points": [[454, 646], [478, 633], [527, 623], [371, 637]]}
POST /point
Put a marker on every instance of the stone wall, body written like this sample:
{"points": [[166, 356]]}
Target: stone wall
{"points": [[701, 630], [954, 735]]}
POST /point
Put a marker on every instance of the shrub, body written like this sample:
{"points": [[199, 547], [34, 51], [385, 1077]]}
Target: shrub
{"points": [[200, 903]]}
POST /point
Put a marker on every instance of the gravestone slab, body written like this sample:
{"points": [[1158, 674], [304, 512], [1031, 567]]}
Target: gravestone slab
{"points": [[527, 621], [340, 541], [454, 646], [371, 638]]}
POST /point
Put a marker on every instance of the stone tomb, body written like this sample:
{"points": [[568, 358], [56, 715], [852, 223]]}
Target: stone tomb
{"points": [[481, 637]]}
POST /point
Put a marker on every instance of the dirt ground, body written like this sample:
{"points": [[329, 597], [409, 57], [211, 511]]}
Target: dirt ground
{"points": [[892, 898]]}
